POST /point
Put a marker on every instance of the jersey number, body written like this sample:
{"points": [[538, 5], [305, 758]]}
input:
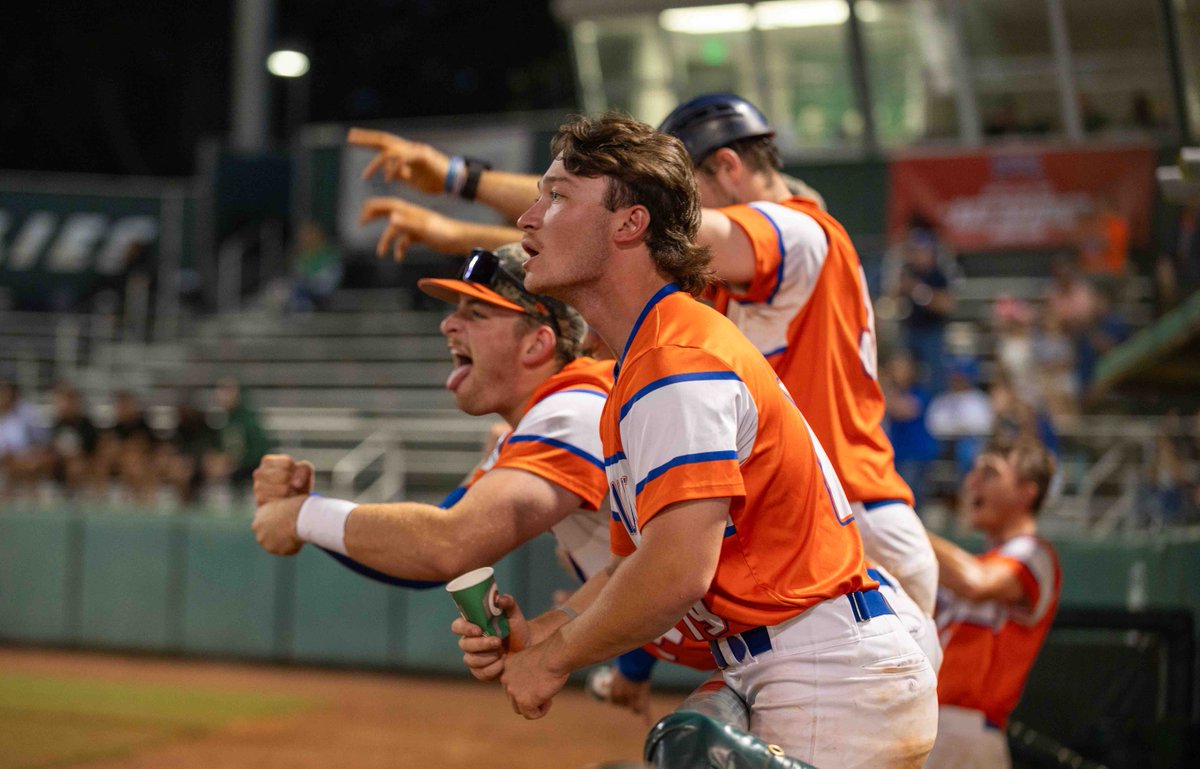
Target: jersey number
{"points": [[714, 626]]}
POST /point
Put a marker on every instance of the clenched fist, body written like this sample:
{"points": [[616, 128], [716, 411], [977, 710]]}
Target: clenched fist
{"points": [[279, 476]]}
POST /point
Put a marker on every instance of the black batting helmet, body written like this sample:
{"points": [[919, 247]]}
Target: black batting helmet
{"points": [[714, 120]]}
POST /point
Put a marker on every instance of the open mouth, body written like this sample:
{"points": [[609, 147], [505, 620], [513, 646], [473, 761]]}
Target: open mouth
{"points": [[462, 367], [529, 249]]}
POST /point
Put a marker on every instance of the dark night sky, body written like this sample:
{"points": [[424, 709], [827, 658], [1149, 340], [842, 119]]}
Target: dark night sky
{"points": [[129, 88]]}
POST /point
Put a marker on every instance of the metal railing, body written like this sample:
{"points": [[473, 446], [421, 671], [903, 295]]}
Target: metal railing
{"points": [[384, 444]]}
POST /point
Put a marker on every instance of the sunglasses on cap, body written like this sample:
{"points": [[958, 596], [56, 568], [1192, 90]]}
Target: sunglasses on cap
{"points": [[484, 268]]}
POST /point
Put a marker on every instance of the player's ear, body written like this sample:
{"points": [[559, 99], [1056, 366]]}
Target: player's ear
{"points": [[726, 161], [632, 225], [1028, 491], [539, 346]]}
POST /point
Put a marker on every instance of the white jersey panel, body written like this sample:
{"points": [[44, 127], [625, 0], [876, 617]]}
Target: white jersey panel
{"points": [[804, 249], [570, 420]]}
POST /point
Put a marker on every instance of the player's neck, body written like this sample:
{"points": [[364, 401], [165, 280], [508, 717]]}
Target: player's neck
{"points": [[1015, 526], [764, 186], [530, 381], [612, 305]]}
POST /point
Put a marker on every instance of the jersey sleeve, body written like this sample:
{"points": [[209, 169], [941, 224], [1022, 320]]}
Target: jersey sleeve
{"points": [[618, 538], [1035, 567], [558, 439], [687, 423], [789, 251]]}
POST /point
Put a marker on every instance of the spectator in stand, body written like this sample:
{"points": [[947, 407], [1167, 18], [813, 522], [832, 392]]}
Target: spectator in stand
{"points": [[1013, 321], [907, 402], [1098, 338], [126, 450], [243, 442], [1016, 419], [925, 290], [1103, 240], [1167, 493], [318, 269], [1054, 356], [70, 458], [183, 460], [1070, 300], [962, 416], [22, 441]]}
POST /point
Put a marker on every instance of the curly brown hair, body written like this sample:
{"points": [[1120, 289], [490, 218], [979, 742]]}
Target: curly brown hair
{"points": [[648, 168]]}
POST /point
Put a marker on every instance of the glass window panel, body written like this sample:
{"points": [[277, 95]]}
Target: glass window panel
{"points": [[1012, 66], [912, 71], [719, 61], [623, 65], [810, 97], [1120, 66]]}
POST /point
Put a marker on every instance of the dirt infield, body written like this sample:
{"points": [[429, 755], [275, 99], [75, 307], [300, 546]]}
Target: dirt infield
{"points": [[348, 720]]}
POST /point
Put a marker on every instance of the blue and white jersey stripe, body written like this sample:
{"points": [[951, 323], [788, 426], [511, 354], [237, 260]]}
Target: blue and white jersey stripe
{"points": [[713, 418]]}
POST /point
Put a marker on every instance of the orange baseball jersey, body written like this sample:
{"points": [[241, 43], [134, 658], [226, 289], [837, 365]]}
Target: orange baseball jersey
{"points": [[696, 413], [808, 312], [558, 439], [990, 646]]}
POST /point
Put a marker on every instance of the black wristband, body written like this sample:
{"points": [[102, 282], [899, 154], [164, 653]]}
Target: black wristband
{"points": [[475, 169]]}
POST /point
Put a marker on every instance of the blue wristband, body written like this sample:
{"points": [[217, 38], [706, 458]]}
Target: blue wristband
{"points": [[453, 183], [636, 665]]}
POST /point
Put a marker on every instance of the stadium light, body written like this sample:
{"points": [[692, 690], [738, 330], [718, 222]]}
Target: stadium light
{"points": [[708, 19], [785, 14], [287, 63], [773, 14]]}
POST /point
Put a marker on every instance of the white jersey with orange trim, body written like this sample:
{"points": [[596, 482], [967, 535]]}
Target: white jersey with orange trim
{"points": [[990, 646], [557, 439]]}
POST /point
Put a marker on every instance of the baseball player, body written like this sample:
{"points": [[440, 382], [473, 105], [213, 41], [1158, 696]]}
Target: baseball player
{"points": [[516, 355], [792, 283], [725, 510], [994, 609]]}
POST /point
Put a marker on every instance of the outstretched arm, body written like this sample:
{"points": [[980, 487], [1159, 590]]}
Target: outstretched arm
{"points": [[408, 223], [425, 168], [975, 579], [503, 509]]}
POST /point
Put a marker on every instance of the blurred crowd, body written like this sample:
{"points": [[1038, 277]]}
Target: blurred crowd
{"points": [[943, 406], [124, 457]]}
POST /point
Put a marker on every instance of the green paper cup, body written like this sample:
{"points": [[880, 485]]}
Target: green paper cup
{"points": [[475, 594]]}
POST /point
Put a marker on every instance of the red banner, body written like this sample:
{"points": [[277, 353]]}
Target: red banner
{"points": [[1021, 198]]}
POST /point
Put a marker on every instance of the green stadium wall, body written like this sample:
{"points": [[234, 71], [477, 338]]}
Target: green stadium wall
{"points": [[198, 585]]}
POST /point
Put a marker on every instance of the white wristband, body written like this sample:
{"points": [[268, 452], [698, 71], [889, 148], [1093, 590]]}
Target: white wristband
{"points": [[322, 521]]}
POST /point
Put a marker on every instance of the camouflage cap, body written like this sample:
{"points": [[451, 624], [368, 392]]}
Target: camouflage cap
{"points": [[512, 295]]}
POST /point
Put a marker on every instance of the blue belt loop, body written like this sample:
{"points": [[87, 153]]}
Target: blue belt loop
{"points": [[758, 640], [867, 604], [753, 642]]}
